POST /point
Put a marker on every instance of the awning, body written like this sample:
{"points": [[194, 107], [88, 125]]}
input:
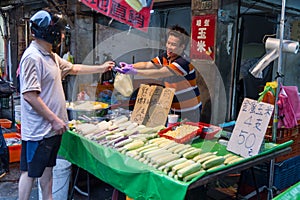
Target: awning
{"points": [[135, 13]]}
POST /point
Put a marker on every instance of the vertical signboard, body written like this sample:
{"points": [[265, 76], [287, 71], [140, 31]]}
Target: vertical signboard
{"points": [[251, 126], [135, 13], [203, 37]]}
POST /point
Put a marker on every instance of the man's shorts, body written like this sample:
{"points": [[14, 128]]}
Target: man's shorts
{"points": [[37, 155]]}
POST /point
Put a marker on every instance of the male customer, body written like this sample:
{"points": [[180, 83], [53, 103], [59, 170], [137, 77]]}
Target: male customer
{"points": [[44, 116], [177, 72]]}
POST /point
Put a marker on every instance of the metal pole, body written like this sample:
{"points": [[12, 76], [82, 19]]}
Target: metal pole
{"points": [[275, 120]]}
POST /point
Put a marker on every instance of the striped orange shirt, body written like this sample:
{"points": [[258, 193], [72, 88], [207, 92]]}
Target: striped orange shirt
{"points": [[187, 94]]}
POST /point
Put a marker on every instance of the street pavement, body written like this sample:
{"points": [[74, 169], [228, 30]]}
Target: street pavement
{"points": [[98, 189]]}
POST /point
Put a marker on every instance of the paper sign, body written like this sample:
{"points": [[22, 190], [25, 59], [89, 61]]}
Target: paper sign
{"points": [[142, 103], [250, 128], [153, 102], [152, 105], [159, 110]]}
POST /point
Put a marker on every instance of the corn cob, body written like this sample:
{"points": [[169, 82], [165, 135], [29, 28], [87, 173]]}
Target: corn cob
{"points": [[193, 175], [202, 160], [182, 165], [192, 154], [188, 170], [213, 162], [133, 145]]}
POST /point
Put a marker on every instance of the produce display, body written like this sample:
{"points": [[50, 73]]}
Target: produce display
{"points": [[86, 105], [181, 131], [185, 132], [177, 160]]}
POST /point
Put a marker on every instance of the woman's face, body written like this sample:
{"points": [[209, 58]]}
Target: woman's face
{"points": [[174, 46]]}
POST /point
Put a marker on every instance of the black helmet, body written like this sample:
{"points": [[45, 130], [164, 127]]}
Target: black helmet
{"points": [[47, 26]]}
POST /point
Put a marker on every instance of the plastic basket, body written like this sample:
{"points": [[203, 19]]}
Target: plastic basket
{"points": [[284, 135], [205, 131], [286, 173], [5, 123], [14, 150], [185, 139]]}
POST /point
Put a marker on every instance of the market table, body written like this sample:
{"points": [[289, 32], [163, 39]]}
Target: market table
{"points": [[140, 181]]}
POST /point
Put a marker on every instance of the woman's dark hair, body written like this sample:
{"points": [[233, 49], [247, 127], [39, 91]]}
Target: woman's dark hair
{"points": [[179, 32]]}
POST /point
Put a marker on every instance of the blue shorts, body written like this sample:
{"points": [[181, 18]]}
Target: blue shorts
{"points": [[37, 155]]}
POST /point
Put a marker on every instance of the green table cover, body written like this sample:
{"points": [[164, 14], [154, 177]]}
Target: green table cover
{"points": [[135, 179], [292, 193]]}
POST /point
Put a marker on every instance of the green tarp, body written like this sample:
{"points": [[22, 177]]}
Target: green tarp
{"points": [[135, 179]]}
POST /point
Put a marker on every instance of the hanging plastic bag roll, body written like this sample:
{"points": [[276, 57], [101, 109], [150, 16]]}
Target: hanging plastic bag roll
{"points": [[288, 45], [257, 69]]}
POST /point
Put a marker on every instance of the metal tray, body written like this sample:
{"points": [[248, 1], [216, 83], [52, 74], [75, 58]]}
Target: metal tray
{"points": [[75, 112]]}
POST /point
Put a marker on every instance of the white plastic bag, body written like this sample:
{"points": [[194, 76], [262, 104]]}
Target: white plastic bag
{"points": [[123, 84]]}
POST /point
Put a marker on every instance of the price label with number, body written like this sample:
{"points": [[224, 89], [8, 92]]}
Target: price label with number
{"points": [[250, 128]]}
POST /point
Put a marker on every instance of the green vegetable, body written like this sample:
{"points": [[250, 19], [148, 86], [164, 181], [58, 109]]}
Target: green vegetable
{"points": [[230, 158], [182, 165], [134, 145], [171, 164], [192, 154], [181, 148], [202, 160], [193, 175], [166, 159], [188, 170], [213, 162]]}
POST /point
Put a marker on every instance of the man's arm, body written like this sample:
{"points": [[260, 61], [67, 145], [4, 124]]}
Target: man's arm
{"points": [[91, 69], [40, 107], [156, 73], [144, 65]]}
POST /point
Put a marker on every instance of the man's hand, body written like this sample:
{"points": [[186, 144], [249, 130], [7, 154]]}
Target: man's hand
{"points": [[59, 126], [126, 68], [108, 65]]}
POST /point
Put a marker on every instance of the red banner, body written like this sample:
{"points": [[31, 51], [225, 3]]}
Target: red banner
{"points": [[135, 13], [203, 37]]}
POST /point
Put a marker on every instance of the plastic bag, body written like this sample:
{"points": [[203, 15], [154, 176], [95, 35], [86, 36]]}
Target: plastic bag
{"points": [[288, 106], [123, 84]]}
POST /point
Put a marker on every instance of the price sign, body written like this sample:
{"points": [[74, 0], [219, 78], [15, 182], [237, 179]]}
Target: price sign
{"points": [[152, 105], [250, 128], [142, 103]]}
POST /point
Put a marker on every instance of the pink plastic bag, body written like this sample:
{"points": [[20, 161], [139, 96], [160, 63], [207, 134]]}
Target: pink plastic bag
{"points": [[294, 99], [288, 106]]}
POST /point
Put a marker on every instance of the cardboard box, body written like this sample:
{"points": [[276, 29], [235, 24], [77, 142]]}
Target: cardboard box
{"points": [[14, 150]]}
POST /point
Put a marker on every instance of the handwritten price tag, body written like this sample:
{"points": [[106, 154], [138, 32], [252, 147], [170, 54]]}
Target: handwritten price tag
{"points": [[250, 128]]}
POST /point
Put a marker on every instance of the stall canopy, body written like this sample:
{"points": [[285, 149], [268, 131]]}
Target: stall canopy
{"points": [[135, 13]]}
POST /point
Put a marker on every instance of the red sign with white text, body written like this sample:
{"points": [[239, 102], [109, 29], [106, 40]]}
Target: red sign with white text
{"points": [[203, 37], [135, 13]]}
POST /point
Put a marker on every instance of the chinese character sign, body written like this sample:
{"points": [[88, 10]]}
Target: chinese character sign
{"points": [[203, 37], [251, 125], [135, 13]]}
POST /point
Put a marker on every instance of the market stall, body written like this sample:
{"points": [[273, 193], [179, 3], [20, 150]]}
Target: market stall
{"points": [[141, 181], [138, 155]]}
